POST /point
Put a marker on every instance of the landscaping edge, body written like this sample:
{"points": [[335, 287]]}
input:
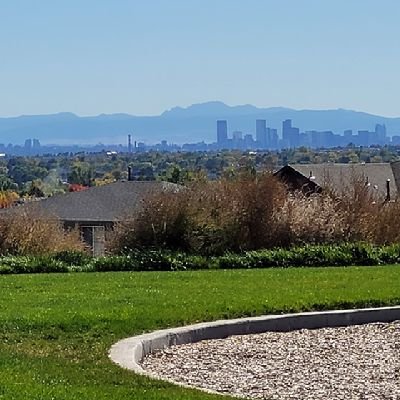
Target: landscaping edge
{"points": [[129, 352]]}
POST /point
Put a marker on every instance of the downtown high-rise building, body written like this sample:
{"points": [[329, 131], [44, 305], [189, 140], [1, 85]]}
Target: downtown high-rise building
{"points": [[290, 134], [261, 133], [273, 138], [286, 130], [28, 144], [380, 132], [222, 133], [129, 143]]}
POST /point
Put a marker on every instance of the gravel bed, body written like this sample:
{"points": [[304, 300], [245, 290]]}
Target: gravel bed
{"points": [[355, 362]]}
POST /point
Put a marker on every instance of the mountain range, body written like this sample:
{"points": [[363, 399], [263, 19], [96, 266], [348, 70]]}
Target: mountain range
{"points": [[179, 125]]}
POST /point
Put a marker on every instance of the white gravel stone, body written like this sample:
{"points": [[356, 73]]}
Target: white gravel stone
{"points": [[356, 362]]}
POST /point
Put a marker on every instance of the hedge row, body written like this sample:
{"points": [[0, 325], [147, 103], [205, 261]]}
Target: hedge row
{"points": [[156, 260]]}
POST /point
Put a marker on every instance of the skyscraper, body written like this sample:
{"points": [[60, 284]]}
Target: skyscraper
{"points": [[129, 143], [273, 138], [286, 130], [237, 135], [380, 133], [290, 135], [28, 144], [248, 141], [222, 133], [261, 133]]}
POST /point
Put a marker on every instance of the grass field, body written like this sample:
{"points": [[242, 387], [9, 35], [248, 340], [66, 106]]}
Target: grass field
{"points": [[55, 330]]}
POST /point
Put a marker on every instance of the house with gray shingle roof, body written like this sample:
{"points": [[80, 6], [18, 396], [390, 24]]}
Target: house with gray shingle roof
{"points": [[95, 210], [382, 178]]}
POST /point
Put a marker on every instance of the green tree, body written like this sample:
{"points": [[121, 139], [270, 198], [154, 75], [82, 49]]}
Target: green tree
{"points": [[81, 174]]}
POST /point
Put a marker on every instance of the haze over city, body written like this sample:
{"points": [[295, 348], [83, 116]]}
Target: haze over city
{"points": [[143, 58]]}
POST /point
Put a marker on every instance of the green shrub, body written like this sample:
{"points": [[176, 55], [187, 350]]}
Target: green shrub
{"points": [[323, 255], [390, 254], [6, 269], [157, 260], [233, 261], [73, 258], [274, 258], [113, 263], [364, 254], [29, 265], [313, 255]]}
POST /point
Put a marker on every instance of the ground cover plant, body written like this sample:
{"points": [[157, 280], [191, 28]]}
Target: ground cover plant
{"points": [[347, 254], [55, 330]]}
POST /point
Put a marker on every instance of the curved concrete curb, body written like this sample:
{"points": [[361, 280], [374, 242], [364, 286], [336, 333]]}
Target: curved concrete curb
{"points": [[128, 353]]}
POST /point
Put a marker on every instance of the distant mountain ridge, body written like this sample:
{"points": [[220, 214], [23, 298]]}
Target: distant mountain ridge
{"points": [[179, 125], [217, 108]]}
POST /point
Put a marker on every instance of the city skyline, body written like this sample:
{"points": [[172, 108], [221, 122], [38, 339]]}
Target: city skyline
{"points": [[193, 124], [263, 138], [291, 137], [143, 57]]}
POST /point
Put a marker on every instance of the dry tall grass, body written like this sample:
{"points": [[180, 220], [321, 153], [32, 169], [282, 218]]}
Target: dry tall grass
{"points": [[161, 222], [313, 219], [207, 217], [358, 205], [234, 214], [384, 224], [27, 232], [253, 213]]}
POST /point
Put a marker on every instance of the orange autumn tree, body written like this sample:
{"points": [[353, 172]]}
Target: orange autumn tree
{"points": [[7, 198]]}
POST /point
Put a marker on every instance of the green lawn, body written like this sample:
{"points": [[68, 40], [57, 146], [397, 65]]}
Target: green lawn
{"points": [[55, 330]]}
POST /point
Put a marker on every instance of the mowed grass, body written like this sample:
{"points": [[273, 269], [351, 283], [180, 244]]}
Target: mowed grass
{"points": [[56, 330]]}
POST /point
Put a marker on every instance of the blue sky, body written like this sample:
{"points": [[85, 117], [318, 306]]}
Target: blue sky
{"points": [[143, 57]]}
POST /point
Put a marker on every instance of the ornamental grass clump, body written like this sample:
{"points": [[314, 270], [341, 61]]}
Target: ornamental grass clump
{"points": [[235, 215], [309, 220], [207, 218], [162, 222], [255, 212], [27, 232], [384, 224], [359, 206]]}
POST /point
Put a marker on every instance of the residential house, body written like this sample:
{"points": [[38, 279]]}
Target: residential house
{"points": [[382, 178], [94, 211]]}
